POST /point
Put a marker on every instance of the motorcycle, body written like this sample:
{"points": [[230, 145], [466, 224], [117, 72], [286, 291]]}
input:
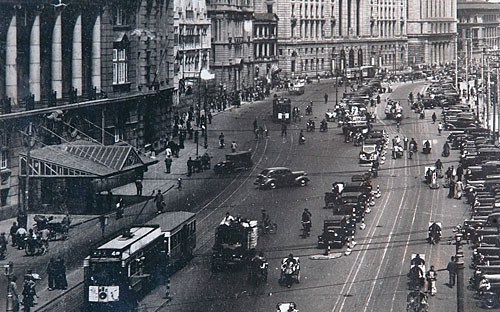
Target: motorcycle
{"points": [[323, 127], [33, 247], [306, 229], [258, 271], [310, 126]]}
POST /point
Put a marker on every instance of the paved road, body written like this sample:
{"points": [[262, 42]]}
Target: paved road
{"points": [[373, 277]]}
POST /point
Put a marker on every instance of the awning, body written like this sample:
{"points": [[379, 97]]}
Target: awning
{"points": [[82, 159], [120, 36]]}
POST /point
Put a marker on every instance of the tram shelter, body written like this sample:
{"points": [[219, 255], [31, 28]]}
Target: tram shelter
{"points": [[72, 177]]}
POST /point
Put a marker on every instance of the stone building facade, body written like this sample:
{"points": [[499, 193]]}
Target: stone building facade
{"points": [[318, 37], [432, 27], [265, 39], [478, 27], [82, 69], [192, 45], [231, 59]]}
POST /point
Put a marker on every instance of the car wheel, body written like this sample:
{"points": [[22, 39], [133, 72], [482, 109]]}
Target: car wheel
{"points": [[272, 185]]}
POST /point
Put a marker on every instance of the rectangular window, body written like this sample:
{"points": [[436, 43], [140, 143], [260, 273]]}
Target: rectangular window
{"points": [[120, 17], [4, 162], [120, 66]]}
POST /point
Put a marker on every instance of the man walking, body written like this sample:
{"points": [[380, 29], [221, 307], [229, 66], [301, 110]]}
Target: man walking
{"points": [[452, 270], [326, 98], [138, 186], [15, 294], [159, 202], [190, 166], [51, 272], [234, 146], [283, 130], [168, 164], [431, 281]]}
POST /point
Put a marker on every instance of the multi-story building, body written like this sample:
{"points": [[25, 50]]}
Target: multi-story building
{"points": [[265, 39], [317, 37], [192, 47], [80, 70], [231, 59], [478, 27], [432, 28]]}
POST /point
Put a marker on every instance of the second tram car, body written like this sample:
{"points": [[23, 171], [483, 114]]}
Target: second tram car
{"points": [[282, 109], [124, 269]]}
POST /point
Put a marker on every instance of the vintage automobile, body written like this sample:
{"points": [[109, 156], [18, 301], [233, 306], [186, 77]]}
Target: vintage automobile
{"points": [[369, 153], [336, 231], [235, 162], [272, 178], [286, 307]]}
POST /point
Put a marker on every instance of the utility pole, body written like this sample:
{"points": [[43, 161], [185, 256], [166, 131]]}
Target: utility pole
{"points": [[488, 94], [483, 85], [497, 98], [29, 144], [467, 68], [459, 260], [456, 64], [8, 271]]}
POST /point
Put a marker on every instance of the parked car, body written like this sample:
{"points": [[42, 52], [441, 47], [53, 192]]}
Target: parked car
{"points": [[272, 178]]}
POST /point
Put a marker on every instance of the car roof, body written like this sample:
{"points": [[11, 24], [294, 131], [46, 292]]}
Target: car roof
{"points": [[277, 168]]}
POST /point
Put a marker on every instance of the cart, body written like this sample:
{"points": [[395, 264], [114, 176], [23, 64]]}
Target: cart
{"points": [[417, 272], [290, 273]]}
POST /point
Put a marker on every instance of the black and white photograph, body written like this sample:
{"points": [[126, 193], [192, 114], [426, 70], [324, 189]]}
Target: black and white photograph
{"points": [[249, 155]]}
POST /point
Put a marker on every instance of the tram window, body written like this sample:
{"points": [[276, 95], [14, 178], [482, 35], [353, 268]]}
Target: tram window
{"points": [[105, 273], [175, 240], [136, 267]]}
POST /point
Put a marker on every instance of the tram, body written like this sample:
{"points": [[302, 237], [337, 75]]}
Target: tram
{"points": [[118, 273], [282, 109]]}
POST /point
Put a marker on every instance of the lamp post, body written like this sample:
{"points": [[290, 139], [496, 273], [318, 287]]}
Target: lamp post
{"points": [[459, 260], [8, 271], [205, 75], [335, 72]]}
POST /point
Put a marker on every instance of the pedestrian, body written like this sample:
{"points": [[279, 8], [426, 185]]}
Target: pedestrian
{"points": [[440, 128], [234, 146], [460, 172], [221, 140], [434, 117], [168, 151], [120, 208], [103, 221], [168, 164], [452, 271], [138, 186], [459, 188], [405, 143], [29, 292], [431, 277], [179, 184], [61, 281], [266, 131], [283, 130], [189, 166], [13, 231], [15, 294], [51, 272], [326, 98], [159, 201], [209, 116], [44, 235], [255, 124], [22, 219]]}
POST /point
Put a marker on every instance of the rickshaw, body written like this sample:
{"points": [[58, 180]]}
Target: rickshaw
{"points": [[290, 272], [434, 232], [416, 301], [430, 177], [286, 307], [417, 272], [426, 146], [235, 162]]}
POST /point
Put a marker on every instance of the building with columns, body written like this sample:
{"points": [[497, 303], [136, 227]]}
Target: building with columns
{"points": [[192, 45], [265, 40], [81, 70], [319, 37], [478, 27], [231, 59], [432, 28]]}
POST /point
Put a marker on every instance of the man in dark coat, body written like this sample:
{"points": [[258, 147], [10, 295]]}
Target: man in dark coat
{"points": [[190, 166], [61, 281], [51, 272]]}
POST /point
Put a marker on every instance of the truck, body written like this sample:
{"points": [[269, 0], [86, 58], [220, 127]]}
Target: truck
{"points": [[235, 243]]}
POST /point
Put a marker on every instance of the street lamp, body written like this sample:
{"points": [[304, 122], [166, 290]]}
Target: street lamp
{"points": [[205, 75], [335, 55]]}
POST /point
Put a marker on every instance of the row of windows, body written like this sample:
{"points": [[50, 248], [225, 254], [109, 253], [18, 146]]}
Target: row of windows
{"points": [[440, 28], [264, 31]]}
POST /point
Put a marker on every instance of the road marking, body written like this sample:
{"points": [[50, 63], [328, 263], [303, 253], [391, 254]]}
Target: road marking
{"points": [[364, 251]]}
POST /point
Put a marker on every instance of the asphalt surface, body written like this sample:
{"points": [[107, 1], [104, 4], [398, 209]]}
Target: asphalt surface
{"points": [[373, 277]]}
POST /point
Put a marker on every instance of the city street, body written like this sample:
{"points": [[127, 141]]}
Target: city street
{"points": [[373, 277]]}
